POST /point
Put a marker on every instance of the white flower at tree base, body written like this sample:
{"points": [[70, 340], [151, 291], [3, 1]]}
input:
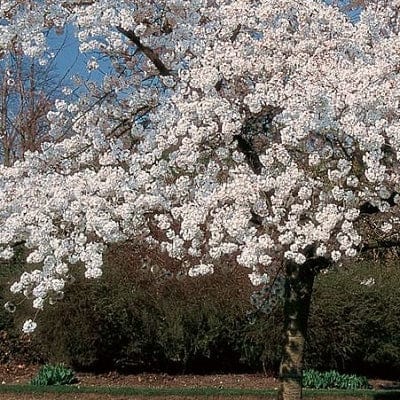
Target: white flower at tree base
{"points": [[231, 131]]}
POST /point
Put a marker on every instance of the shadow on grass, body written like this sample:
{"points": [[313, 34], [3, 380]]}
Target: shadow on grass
{"points": [[387, 395]]}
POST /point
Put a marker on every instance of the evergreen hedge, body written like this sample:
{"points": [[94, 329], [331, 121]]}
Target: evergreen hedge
{"points": [[134, 321]]}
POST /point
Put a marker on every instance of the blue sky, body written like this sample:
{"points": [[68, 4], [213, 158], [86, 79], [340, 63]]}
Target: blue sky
{"points": [[69, 60]]}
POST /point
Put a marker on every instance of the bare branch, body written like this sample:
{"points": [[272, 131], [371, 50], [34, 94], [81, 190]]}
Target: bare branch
{"points": [[147, 51], [380, 244], [236, 33]]}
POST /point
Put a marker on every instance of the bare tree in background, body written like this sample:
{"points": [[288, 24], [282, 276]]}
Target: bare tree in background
{"points": [[27, 93]]}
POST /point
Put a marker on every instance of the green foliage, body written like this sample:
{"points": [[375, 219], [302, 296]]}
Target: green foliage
{"points": [[132, 320], [14, 347], [50, 375], [333, 380], [138, 325], [352, 327]]}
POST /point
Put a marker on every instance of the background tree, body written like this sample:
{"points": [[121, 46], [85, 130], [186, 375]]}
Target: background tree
{"points": [[262, 134], [27, 93]]}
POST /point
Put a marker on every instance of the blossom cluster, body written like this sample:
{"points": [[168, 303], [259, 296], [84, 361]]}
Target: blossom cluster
{"points": [[248, 131]]}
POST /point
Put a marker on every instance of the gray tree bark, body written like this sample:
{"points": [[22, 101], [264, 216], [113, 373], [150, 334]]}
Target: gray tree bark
{"points": [[298, 292]]}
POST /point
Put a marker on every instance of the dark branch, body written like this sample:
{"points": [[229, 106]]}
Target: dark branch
{"points": [[236, 33], [380, 244], [147, 51], [246, 147], [368, 208], [317, 264], [218, 85], [20, 243], [255, 219]]}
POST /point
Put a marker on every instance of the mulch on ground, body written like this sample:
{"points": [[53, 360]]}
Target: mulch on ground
{"points": [[22, 374]]}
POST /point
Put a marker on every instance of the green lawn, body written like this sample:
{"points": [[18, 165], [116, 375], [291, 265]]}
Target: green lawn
{"points": [[197, 392]]}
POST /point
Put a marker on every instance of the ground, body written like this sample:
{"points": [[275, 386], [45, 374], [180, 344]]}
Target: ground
{"points": [[20, 373], [14, 374]]}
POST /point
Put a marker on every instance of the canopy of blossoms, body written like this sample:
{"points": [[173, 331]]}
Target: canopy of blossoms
{"points": [[243, 131]]}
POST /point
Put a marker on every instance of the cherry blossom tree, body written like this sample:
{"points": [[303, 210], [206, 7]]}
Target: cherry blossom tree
{"points": [[260, 133]]}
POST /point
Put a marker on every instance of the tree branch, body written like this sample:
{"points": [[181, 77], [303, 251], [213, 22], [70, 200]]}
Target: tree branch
{"points": [[380, 244], [368, 208], [236, 33], [147, 51], [246, 147]]}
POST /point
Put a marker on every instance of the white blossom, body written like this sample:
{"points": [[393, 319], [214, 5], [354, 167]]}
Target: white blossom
{"points": [[368, 282], [155, 153], [258, 279], [386, 227], [29, 326], [16, 287], [38, 303], [201, 269]]}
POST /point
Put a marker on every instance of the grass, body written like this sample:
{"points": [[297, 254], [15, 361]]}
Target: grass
{"points": [[129, 391], [356, 393], [196, 392]]}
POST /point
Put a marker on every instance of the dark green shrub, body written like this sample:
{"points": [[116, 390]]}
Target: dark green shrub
{"points": [[259, 341], [333, 380], [57, 374], [132, 320], [14, 348], [353, 327]]}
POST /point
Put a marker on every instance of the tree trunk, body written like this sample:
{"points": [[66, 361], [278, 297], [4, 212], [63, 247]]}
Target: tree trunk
{"points": [[298, 291]]}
